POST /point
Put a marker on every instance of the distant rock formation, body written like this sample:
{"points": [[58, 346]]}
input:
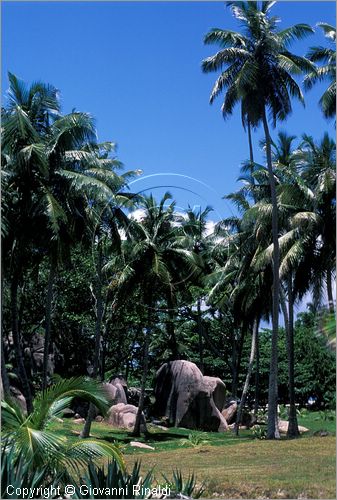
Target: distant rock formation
{"points": [[123, 416], [188, 399], [230, 412], [116, 390]]}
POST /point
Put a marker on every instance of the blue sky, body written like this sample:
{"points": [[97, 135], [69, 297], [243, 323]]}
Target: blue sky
{"points": [[135, 66]]}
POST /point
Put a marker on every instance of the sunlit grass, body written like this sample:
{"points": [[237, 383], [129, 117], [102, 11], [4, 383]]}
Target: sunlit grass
{"points": [[232, 467]]}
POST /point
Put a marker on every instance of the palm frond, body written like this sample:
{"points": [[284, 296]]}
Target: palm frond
{"points": [[85, 388], [80, 452]]}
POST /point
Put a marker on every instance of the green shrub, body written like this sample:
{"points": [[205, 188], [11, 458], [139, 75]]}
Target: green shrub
{"points": [[259, 432], [194, 439], [112, 482]]}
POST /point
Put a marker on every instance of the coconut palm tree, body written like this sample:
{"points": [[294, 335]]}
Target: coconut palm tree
{"points": [[326, 72], [151, 259], [284, 158], [311, 241], [194, 227], [54, 171], [256, 71], [246, 285], [40, 447], [305, 178], [24, 120], [106, 217]]}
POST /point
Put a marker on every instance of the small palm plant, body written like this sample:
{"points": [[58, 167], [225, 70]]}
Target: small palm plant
{"points": [[184, 488], [31, 438], [113, 482], [194, 439]]}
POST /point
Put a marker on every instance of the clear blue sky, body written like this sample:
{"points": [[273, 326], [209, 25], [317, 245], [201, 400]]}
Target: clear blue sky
{"points": [[136, 68]]}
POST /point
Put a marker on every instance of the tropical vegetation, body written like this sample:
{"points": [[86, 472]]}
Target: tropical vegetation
{"points": [[98, 280]]}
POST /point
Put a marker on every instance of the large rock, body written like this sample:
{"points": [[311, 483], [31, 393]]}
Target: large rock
{"points": [[116, 391], [123, 416], [188, 399], [19, 398], [283, 427], [133, 396], [35, 352], [229, 413], [218, 390]]}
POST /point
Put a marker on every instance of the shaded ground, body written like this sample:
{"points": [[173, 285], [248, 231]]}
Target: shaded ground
{"points": [[233, 467]]}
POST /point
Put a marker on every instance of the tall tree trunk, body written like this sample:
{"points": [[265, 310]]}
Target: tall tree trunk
{"points": [[200, 343], [47, 336], [236, 362], [147, 333], [4, 374], [102, 373], [293, 431], [17, 343], [329, 291], [288, 314], [170, 327], [257, 375], [272, 430], [98, 335], [249, 372], [137, 428], [251, 153]]}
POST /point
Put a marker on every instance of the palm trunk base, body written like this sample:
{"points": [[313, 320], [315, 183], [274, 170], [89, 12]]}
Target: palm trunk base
{"points": [[87, 426], [293, 431]]}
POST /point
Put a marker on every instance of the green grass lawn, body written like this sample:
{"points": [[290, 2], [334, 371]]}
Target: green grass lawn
{"points": [[235, 467]]}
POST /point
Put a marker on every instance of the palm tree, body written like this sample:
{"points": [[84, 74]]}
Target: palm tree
{"points": [[284, 161], [150, 260], [326, 72], [55, 169], [24, 120], [245, 285], [312, 195], [258, 74], [194, 227], [106, 218], [65, 210], [40, 447], [305, 178]]}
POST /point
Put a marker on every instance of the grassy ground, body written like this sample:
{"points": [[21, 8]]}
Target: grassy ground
{"points": [[232, 467]]}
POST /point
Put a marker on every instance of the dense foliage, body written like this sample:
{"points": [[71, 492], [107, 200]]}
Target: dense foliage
{"points": [[90, 288]]}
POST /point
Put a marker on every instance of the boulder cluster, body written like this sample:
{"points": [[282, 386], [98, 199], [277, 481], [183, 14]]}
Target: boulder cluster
{"points": [[184, 397], [189, 399]]}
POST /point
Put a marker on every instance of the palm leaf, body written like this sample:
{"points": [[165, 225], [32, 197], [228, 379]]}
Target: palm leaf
{"points": [[80, 452], [88, 389]]}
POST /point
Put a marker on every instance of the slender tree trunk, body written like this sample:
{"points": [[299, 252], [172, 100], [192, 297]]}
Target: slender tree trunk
{"points": [[17, 343], [236, 363], [147, 332], [273, 374], [102, 374], [139, 417], [249, 372], [21, 307], [4, 374], [329, 291], [251, 153], [98, 335], [288, 315], [293, 431], [201, 346], [257, 374], [170, 327], [47, 336]]}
